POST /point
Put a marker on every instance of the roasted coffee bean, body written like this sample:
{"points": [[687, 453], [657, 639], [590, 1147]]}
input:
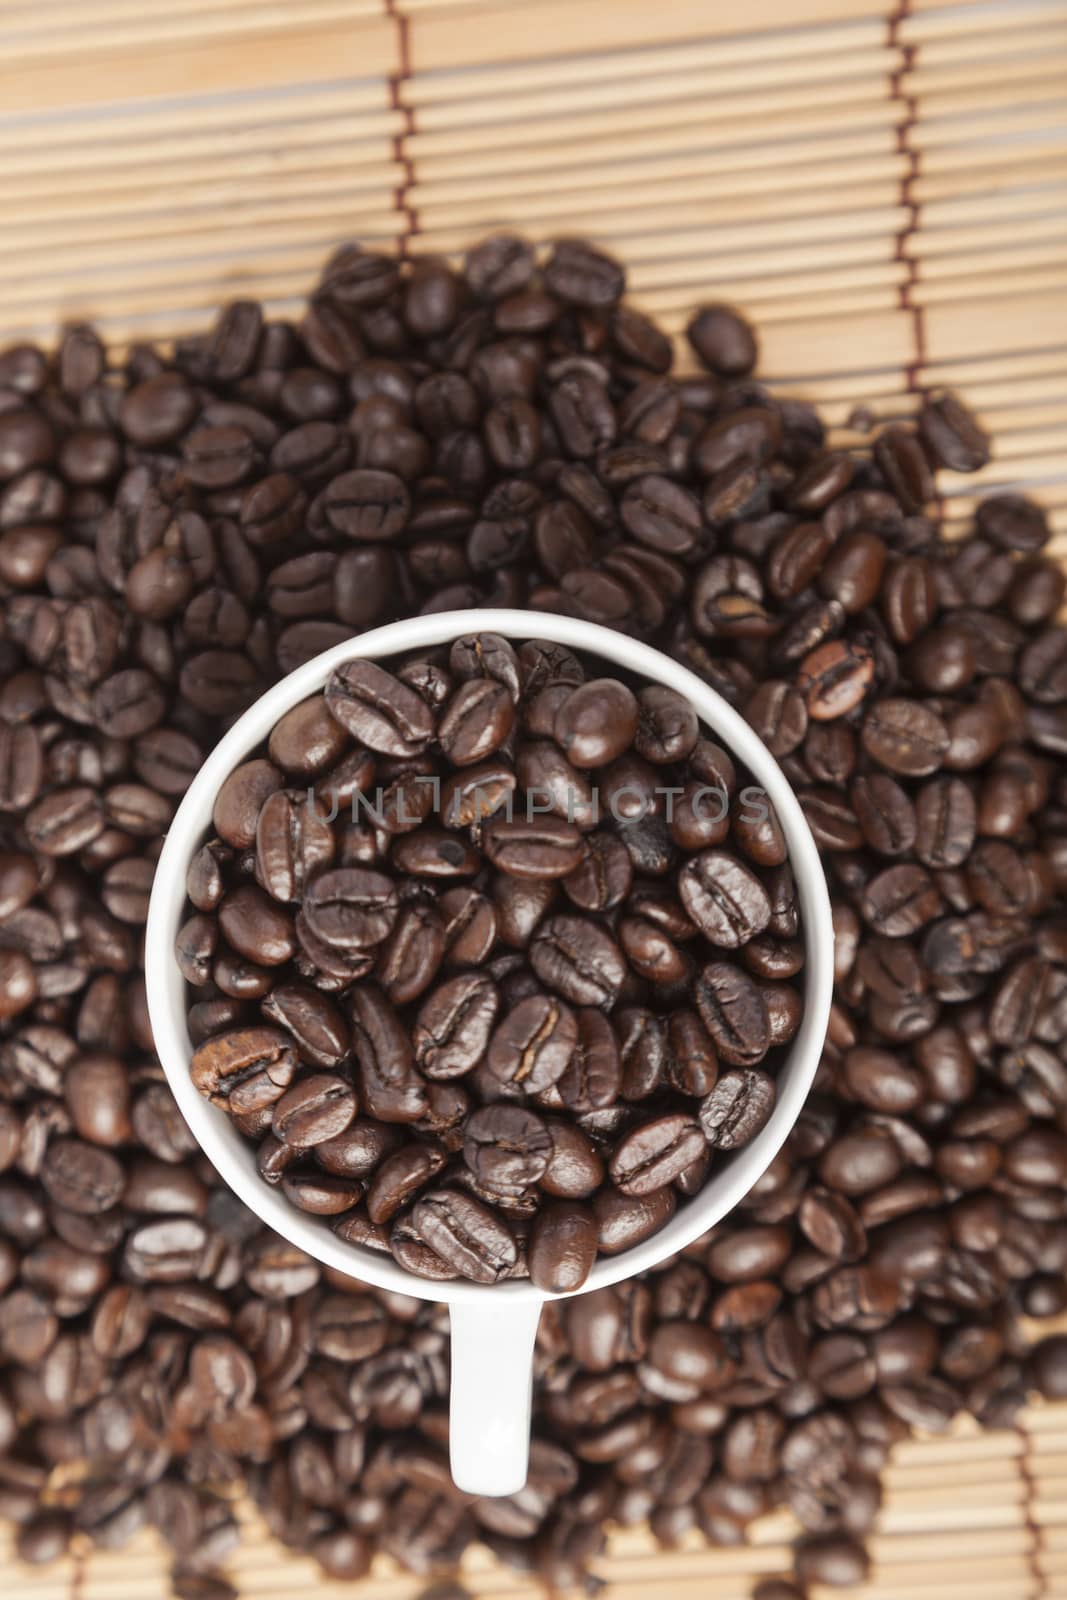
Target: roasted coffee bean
{"points": [[472, 796], [651, 952], [316, 1024], [82, 1177], [952, 435], [590, 1081], [625, 1220], [737, 1108], [379, 710], [596, 722], [724, 898], [545, 847], [469, 1237], [575, 1169], [1012, 522], [451, 1032], [413, 952], [909, 597], [946, 823], [400, 1177], [293, 842], [779, 715], [256, 928], [470, 928], [563, 1246], [534, 1044], [733, 1010], [885, 814], [254, 1064], [315, 1109], [903, 464], [852, 571], [351, 908], [548, 777], [582, 275], [579, 960], [655, 1154], [905, 736], [65, 821], [157, 411], [667, 728], [834, 679], [506, 1146], [747, 433], [366, 505], [662, 515], [21, 766], [476, 721], [723, 340]]}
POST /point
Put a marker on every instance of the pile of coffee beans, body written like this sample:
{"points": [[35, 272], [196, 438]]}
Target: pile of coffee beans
{"points": [[490, 954], [177, 529]]}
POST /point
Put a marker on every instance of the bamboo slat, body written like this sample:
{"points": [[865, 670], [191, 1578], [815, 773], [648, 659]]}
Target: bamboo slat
{"points": [[1030, 278], [60, 30], [812, 186], [694, 113], [621, 145], [199, 66], [986, 121], [509, 104], [1038, 59], [1050, 168], [724, 56], [280, 114], [930, 22], [509, 33], [963, 163], [757, 163]]}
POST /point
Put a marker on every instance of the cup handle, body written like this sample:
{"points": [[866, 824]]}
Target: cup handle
{"points": [[492, 1385]]}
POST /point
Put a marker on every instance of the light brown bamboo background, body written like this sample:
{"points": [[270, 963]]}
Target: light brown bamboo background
{"points": [[881, 186]]}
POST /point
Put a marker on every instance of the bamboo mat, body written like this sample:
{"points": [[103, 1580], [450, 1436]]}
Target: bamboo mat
{"points": [[881, 183], [882, 186], [967, 1516]]}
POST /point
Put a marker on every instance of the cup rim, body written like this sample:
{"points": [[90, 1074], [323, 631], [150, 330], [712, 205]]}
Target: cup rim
{"points": [[234, 1158]]}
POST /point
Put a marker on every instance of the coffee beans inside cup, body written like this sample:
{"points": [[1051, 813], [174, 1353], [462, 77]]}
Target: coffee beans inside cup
{"points": [[493, 954]]}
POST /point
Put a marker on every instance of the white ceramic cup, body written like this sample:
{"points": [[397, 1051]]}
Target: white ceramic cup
{"points": [[493, 1327]]}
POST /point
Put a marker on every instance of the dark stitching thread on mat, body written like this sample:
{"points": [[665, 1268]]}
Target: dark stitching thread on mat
{"points": [[907, 145], [907, 148], [403, 193], [1036, 1539]]}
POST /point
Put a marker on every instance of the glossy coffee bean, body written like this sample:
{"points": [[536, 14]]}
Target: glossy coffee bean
{"points": [[724, 898], [379, 710], [579, 961], [533, 1045], [596, 722], [469, 1237], [451, 1032], [737, 1108], [723, 340], [655, 1154], [506, 1146], [563, 1247]]}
